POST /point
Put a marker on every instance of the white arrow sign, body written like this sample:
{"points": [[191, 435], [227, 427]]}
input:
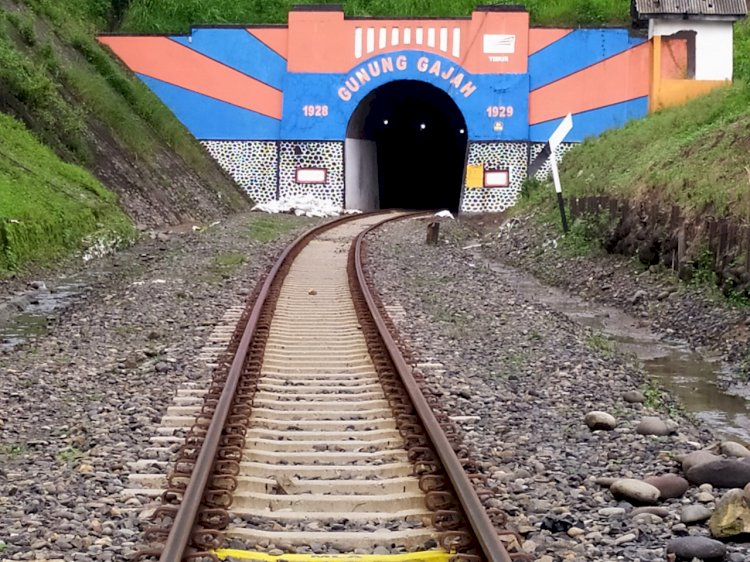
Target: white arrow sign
{"points": [[561, 132], [554, 141]]}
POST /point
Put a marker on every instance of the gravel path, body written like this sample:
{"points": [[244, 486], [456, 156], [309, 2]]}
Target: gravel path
{"points": [[80, 403], [530, 376]]}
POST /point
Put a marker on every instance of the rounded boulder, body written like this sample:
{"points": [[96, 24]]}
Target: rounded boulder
{"points": [[634, 490], [722, 473], [687, 548], [651, 425], [600, 420], [697, 457], [669, 485]]}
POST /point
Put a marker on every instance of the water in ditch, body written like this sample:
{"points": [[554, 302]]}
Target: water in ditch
{"points": [[36, 309], [692, 378]]}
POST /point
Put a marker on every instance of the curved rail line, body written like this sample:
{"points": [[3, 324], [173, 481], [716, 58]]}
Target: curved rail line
{"points": [[315, 430]]}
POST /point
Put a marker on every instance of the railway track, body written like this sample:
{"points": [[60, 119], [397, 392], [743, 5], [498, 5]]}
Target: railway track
{"points": [[314, 441]]}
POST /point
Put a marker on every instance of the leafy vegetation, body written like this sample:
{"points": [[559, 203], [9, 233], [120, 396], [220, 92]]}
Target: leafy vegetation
{"points": [[71, 60], [176, 16], [30, 82], [69, 455], [63, 85], [659, 400], [48, 207], [12, 451], [601, 344]]}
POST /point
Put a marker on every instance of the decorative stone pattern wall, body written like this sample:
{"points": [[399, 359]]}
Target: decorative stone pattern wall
{"points": [[267, 169], [326, 155], [252, 164], [496, 155], [545, 172]]}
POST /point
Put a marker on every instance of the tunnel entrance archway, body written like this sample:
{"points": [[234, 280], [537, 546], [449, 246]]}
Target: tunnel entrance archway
{"points": [[405, 148]]}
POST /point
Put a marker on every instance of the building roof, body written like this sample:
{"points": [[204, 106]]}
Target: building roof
{"points": [[698, 9]]}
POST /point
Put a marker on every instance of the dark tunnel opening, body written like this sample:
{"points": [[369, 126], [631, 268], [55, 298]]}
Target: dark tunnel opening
{"points": [[406, 148]]}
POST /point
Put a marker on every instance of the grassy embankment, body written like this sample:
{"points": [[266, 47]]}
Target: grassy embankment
{"points": [[696, 156], [176, 16], [57, 80], [48, 207]]}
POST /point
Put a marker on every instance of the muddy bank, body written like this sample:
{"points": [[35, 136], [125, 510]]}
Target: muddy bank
{"points": [[673, 309]]}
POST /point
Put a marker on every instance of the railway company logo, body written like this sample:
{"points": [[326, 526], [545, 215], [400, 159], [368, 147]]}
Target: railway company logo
{"points": [[498, 46]]}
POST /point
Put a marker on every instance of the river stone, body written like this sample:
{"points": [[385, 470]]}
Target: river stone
{"points": [[654, 510], [733, 449], [732, 515], [651, 425], [635, 490], [694, 514], [612, 511], [634, 397], [647, 519], [705, 497], [687, 548], [723, 473], [669, 485], [747, 492], [600, 420], [605, 481], [698, 457]]}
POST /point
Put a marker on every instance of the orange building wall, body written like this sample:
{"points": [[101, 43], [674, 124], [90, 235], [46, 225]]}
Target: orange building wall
{"points": [[669, 87]]}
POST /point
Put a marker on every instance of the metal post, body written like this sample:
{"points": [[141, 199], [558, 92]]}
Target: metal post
{"points": [[433, 233]]}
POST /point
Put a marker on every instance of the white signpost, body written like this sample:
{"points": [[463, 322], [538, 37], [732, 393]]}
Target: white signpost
{"points": [[554, 141]]}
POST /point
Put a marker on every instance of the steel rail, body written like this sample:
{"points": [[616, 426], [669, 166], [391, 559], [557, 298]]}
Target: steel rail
{"points": [[184, 521], [480, 523]]}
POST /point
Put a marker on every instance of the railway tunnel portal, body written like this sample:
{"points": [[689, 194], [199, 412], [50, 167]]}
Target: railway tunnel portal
{"points": [[405, 148]]}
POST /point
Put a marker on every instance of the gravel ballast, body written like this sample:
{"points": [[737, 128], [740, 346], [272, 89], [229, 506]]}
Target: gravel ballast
{"points": [[530, 377], [550, 415], [79, 404]]}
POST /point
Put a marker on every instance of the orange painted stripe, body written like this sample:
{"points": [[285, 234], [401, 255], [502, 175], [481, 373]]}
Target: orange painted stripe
{"points": [[541, 38], [614, 80], [166, 60], [276, 39]]}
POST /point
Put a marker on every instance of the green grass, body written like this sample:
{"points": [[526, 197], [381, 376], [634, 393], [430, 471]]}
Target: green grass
{"points": [[229, 261], [267, 228], [176, 16], [64, 86], [69, 455], [48, 207], [31, 82], [104, 88], [696, 156], [601, 344], [222, 267], [12, 451]]}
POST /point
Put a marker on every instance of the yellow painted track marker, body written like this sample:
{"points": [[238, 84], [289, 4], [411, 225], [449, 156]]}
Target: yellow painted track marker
{"points": [[426, 556]]}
